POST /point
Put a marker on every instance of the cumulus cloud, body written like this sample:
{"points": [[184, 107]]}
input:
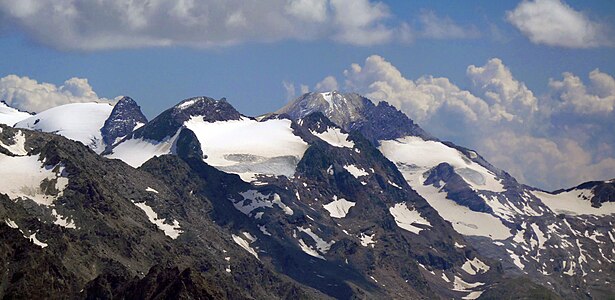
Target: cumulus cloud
{"points": [[551, 163], [438, 27], [116, 24], [508, 98], [329, 83], [573, 94], [555, 140], [27, 94], [554, 23]]}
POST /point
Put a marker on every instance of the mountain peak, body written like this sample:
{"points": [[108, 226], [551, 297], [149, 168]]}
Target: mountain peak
{"points": [[352, 111], [342, 109], [169, 121], [210, 109], [125, 117], [10, 115]]}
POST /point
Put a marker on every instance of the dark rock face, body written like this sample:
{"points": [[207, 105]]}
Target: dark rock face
{"points": [[161, 283], [168, 122], [385, 122], [317, 122], [457, 189], [126, 114]]}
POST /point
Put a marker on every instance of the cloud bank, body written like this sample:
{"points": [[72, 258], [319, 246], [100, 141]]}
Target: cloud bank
{"points": [[27, 94], [116, 24], [554, 23], [551, 141]]}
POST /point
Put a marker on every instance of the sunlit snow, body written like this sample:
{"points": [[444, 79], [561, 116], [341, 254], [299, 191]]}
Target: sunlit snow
{"points": [[405, 218], [76, 121], [338, 208], [355, 171], [413, 150], [19, 145], [22, 177], [464, 220], [245, 244], [247, 147], [475, 266], [10, 116], [136, 152], [334, 137], [171, 230], [575, 202]]}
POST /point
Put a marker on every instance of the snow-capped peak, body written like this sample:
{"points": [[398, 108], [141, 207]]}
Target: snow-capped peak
{"points": [[10, 115]]}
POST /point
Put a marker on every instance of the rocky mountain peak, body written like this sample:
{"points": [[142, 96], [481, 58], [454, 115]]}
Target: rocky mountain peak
{"points": [[342, 109], [125, 117], [352, 111], [168, 122], [10, 115], [210, 109]]}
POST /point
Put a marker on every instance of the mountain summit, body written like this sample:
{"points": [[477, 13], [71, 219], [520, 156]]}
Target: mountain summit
{"points": [[352, 111]]}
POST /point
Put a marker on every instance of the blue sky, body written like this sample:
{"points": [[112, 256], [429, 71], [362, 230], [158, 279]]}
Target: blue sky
{"points": [[159, 59]]}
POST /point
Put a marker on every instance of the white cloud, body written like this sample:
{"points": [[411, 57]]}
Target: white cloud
{"points": [[554, 162], [554, 23], [556, 140], [117, 24], [27, 94], [329, 83], [572, 94], [437, 27], [508, 98]]}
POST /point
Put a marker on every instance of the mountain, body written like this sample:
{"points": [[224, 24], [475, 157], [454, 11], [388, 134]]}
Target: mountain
{"points": [[331, 196], [77, 225], [125, 118], [531, 232], [355, 112], [321, 193], [10, 116], [96, 125]]}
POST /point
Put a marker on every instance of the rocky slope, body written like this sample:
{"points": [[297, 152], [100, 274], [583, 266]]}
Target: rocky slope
{"points": [[75, 224]]}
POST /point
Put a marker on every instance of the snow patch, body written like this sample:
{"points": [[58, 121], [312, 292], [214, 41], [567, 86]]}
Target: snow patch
{"points": [[62, 221], [461, 286], [171, 230], [463, 219], [245, 244], [338, 208], [334, 137], [151, 190], [574, 202], [253, 200], [22, 177], [11, 223], [405, 218], [367, 240], [18, 147], [475, 266], [355, 171], [321, 245], [34, 240], [136, 152]]}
